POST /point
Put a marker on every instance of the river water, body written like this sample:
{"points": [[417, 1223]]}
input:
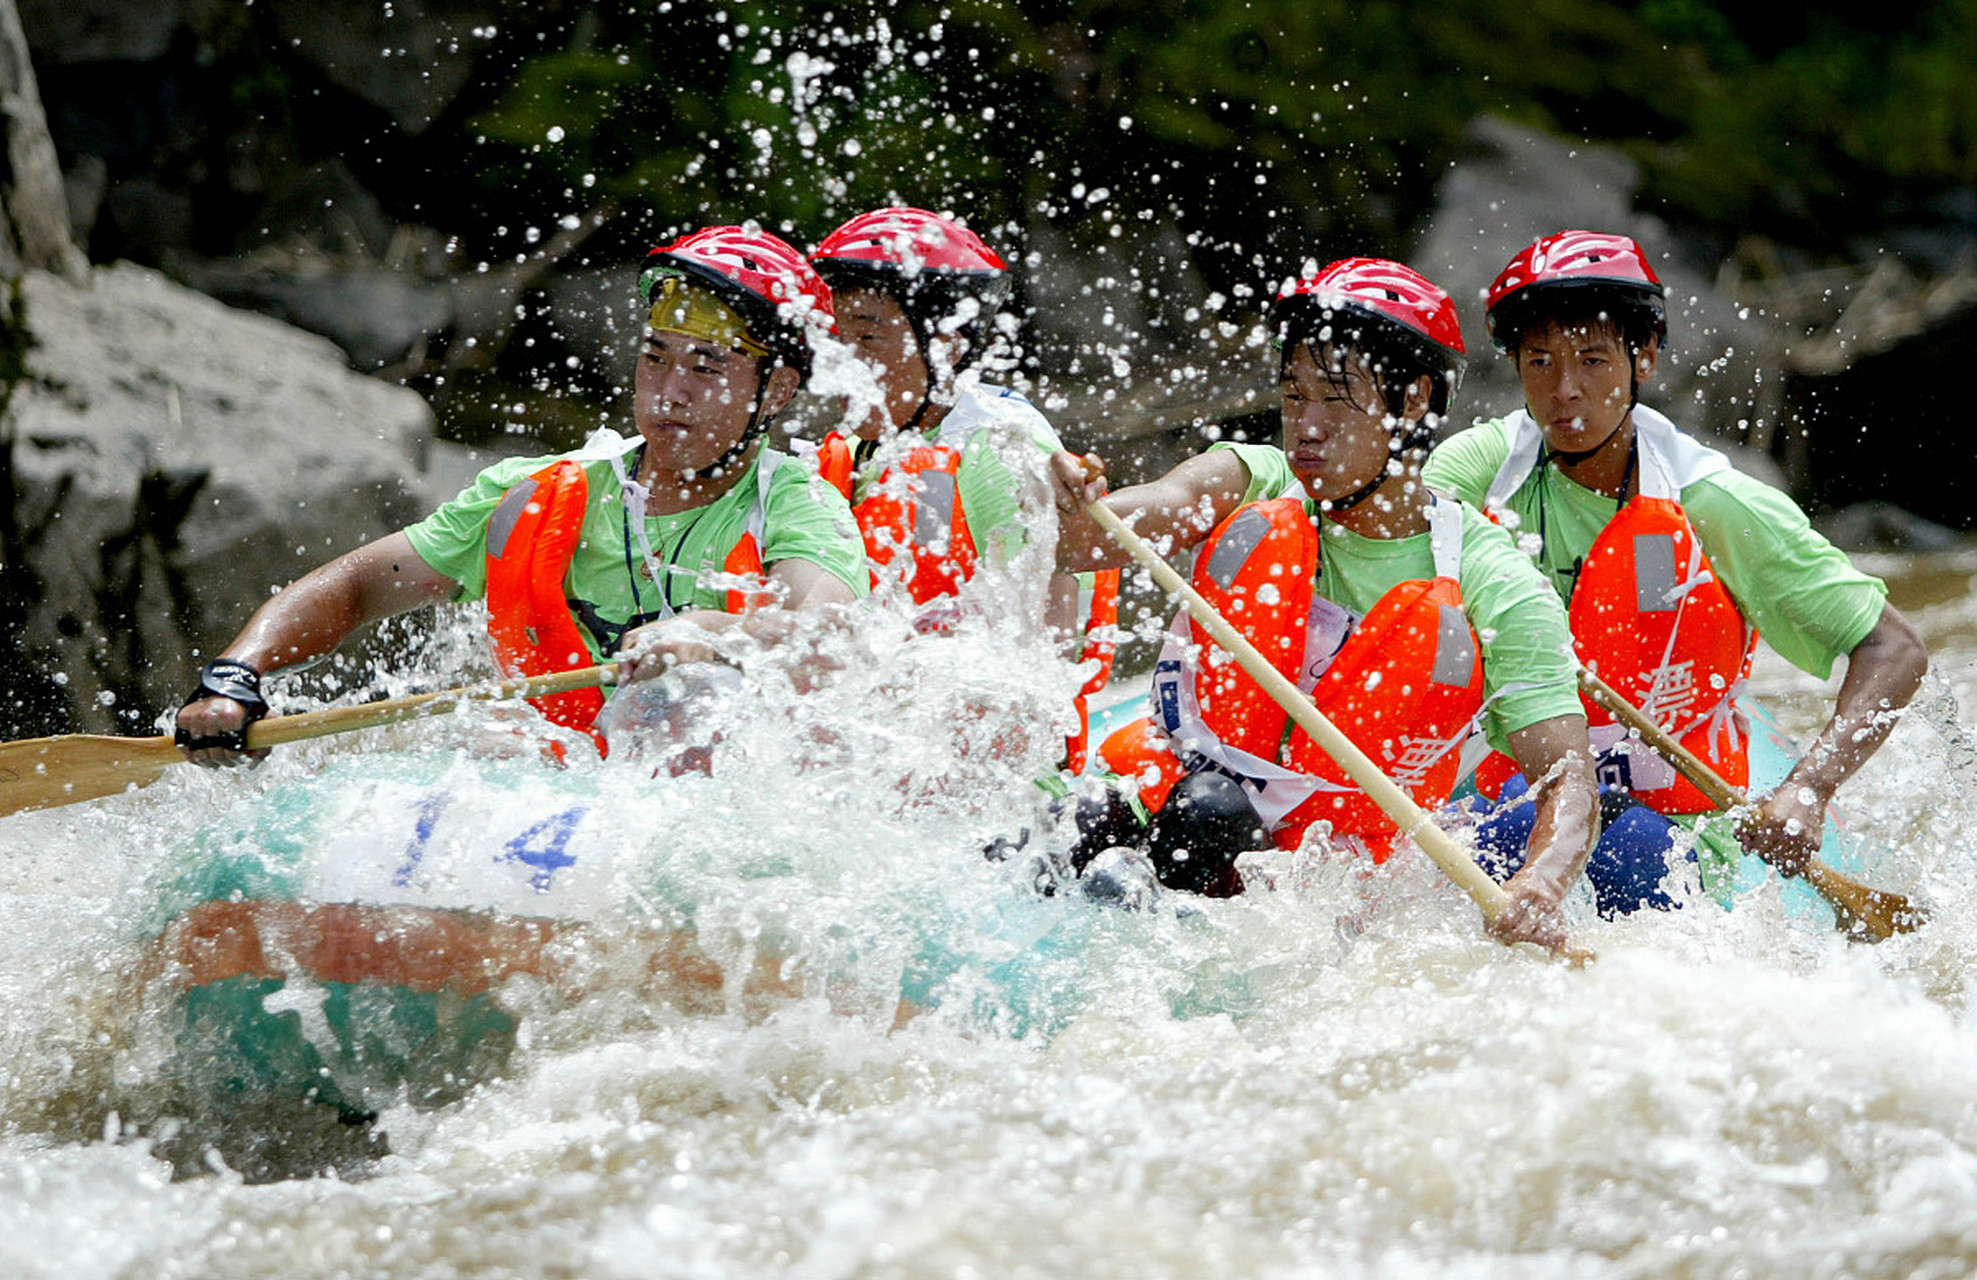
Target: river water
{"points": [[1339, 1077]]}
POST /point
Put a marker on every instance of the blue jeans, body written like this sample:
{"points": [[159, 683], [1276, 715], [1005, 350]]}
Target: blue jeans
{"points": [[1626, 866]]}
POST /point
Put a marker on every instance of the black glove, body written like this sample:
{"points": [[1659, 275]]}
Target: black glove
{"points": [[225, 678]]}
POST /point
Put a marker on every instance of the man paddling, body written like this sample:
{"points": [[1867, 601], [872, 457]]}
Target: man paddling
{"points": [[917, 298], [1406, 616], [1672, 563], [651, 550]]}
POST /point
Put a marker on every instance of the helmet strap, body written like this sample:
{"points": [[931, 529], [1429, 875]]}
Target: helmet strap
{"points": [[1338, 506], [919, 415], [1398, 446], [1548, 454], [923, 339]]}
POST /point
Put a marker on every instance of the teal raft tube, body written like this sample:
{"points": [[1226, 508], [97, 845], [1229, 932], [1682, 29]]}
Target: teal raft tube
{"points": [[385, 831], [631, 858]]}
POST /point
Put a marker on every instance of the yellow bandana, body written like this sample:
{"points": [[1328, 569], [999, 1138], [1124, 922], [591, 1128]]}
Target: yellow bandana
{"points": [[681, 307]]}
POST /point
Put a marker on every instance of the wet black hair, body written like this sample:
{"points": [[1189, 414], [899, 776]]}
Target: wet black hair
{"points": [[1635, 315], [931, 298]]}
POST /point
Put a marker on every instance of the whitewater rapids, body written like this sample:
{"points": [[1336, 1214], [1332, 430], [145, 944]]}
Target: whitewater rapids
{"points": [[1342, 1077]]}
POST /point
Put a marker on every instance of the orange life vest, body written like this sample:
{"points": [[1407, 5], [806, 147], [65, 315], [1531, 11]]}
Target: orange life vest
{"points": [[1651, 618], [532, 536], [923, 515], [920, 516], [1100, 609], [1405, 684]]}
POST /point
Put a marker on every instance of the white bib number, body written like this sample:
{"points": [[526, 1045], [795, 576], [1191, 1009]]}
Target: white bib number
{"points": [[427, 847]]}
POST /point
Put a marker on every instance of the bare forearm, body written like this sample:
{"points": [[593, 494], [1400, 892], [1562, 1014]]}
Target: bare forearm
{"points": [[1883, 673], [1558, 760], [305, 620], [809, 593], [1555, 755], [1172, 513], [1061, 615], [313, 615], [1565, 826]]}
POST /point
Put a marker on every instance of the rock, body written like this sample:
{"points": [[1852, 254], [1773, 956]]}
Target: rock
{"points": [[1883, 526], [73, 31], [173, 462], [150, 218], [375, 314]]}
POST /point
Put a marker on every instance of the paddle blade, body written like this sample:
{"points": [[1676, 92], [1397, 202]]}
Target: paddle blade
{"points": [[1863, 913], [43, 773]]}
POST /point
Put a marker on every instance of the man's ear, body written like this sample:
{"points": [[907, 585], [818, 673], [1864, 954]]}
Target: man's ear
{"points": [[1420, 394], [783, 384], [1646, 359]]}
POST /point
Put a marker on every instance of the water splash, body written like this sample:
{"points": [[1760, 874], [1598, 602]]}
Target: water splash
{"points": [[1242, 1086]]}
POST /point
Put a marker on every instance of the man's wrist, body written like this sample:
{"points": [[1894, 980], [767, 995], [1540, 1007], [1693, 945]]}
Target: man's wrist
{"points": [[231, 678], [225, 678]]}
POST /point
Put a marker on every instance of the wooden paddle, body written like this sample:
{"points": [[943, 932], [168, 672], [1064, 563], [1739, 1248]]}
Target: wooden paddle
{"points": [[44, 773], [1410, 817], [1873, 914]]}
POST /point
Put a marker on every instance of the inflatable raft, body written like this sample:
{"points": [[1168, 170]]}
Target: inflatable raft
{"points": [[401, 891], [360, 936], [374, 933]]}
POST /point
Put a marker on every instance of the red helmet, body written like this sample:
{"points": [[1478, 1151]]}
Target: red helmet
{"points": [[1404, 306], [902, 242], [1607, 271], [930, 263], [760, 275]]}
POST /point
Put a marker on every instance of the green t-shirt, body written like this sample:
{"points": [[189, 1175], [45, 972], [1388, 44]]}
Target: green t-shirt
{"points": [[983, 482], [804, 519], [1528, 673], [1800, 591]]}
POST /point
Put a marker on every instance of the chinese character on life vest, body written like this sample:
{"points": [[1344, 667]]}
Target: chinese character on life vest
{"points": [[1417, 756], [1669, 697]]}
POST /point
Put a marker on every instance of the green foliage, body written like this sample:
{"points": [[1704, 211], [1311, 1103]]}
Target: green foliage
{"points": [[1259, 127]]}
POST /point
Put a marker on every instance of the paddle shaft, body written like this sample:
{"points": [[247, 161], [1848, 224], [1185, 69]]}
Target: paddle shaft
{"points": [[45, 773], [1410, 817], [277, 730], [1877, 911]]}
